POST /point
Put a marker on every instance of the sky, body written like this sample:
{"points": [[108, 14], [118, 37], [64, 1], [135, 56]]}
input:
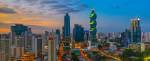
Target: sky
{"points": [[42, 15]]}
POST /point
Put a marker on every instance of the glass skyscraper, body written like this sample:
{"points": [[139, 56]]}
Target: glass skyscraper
{"points": [[135, 30], [93, 25], [66, 26], [78, 33]]}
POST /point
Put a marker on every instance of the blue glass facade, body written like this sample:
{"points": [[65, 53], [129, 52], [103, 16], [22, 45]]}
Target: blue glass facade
{"points": [[78, 33], [19, 29], [66, 25], [135, 31]]}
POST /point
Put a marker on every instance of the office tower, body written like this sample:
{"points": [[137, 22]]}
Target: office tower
{"points": [[58, 38], [20, 41], [93, 25], [66, 31], [67, 26], [28, 41], [86, 35], [126, 38], [78, 33], [21, 36], [45, 37], [37, 46], [51, 48], [19, 32], [4, 47], [145, 37], [135, 30]]}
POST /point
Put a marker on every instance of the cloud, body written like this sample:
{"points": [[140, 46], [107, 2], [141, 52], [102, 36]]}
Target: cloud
{"points": [[46, 7], [7, 10]]}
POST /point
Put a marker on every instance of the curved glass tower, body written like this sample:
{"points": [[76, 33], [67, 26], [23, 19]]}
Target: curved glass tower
{"points": [[93, 25]]}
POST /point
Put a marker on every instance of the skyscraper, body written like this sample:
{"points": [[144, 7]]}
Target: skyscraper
{"points": [[20, 41], [20, 35], [135, 30], [4, 47], [93, 25], [51, 47], [78, 33], [67, 26], [86, 35], [126, 38]]}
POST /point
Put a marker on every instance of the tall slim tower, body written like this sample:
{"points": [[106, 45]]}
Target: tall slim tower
{"points": [[66, 26], [135, 30], [93, 25], [52, 48]]}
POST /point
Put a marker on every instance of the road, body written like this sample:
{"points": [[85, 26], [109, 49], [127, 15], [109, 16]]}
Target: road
{"points": [[60, 54], [84, 55]]}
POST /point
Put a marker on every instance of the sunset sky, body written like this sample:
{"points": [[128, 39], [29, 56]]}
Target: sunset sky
{"points": [[41, 15]]}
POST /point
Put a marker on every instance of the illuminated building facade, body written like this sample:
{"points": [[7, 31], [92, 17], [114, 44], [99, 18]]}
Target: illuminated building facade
{"points": [[93, 25], [135, 31]]}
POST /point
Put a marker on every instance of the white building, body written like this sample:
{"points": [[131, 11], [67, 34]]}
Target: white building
{"points": [[145, 36], [52, 48]]}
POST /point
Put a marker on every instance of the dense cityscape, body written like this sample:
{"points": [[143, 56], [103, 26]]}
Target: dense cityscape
{"points": [[21, 44], [74, 30]]}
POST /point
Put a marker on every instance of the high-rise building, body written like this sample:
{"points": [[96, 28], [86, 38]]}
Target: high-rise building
{"points": [[51, 48], [4, 47], [37, 46], [21, 36], [20, 40], [86, 35], [145, 37], [135, 30], [93, 24], [66, 31], [19, 32], [28, 41], [45, 37], [67, 26], [126, 38], [58, 38], [78, 33]]}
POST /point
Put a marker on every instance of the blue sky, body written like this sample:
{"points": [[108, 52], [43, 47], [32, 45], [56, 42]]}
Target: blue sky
{"points": [[113, 15]]}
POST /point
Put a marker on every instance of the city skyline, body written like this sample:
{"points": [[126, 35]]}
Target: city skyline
{"points": [[113, 16]]}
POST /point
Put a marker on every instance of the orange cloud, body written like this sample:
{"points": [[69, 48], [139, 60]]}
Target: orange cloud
{"points": [[34, 20], [4, 30]]}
